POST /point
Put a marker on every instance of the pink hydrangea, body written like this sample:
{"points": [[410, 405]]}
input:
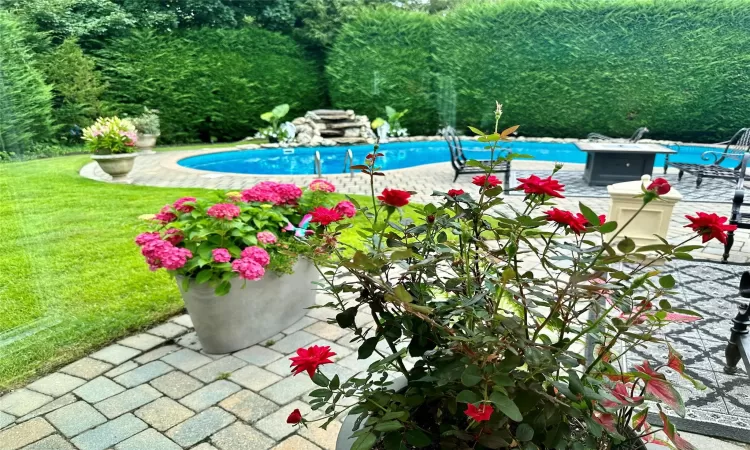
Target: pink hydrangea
{"points": [[175, 258], [144, 238], [322, 185], [256, 254], [221, 255], [272, 192], [346, 208], [132, 137], [248, 269], [266, 237], [161, 253], [180, 205], [165, 215], [226, 211], [173, 236]]}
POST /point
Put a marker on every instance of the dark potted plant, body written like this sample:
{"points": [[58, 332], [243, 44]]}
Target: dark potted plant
{"points": [[148, 128], [241, 265], [111, 141], [481, 314]]}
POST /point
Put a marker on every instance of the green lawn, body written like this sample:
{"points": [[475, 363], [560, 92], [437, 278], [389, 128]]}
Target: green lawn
{"points": [[71, 278]]}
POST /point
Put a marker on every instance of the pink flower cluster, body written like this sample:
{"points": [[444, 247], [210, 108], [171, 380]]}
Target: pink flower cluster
{"points": [[173, 236], [322, 185], [165, 215], [251, 265], [272, 192], [131, 135], [266, 237], [221, 255], [160, 253], [346, 208], [227, 211], [180, 205]]}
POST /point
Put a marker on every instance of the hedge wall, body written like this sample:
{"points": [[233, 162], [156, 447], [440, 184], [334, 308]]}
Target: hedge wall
{"points": [[209, 84], [383, 59], [25, 99], [561, 68]]}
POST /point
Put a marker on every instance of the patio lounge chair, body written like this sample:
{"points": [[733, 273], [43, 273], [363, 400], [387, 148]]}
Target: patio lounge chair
{"points": [[734, 149], [637, 136], [458, 160], [739, 218]]}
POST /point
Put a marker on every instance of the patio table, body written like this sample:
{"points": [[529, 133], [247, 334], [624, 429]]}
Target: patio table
{"points": [[608, 163]]}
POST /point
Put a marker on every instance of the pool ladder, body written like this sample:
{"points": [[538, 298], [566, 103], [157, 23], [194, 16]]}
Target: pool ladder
{"points": [[348, 162]]}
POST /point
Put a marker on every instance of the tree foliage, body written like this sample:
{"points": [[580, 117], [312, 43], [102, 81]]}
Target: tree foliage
{"points": [[76, 86], [209, 84], [25, 99], [383, 58]]}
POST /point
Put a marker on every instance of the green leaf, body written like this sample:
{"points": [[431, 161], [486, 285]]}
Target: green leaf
{"points": [[345, 319], [377, 123], [223, 288], [367, 348], [477, 131], [667, 282], [506, 406], [472, 376], [402, 294], [391, 425], [524, 432], [467, 396], [608, 227], [626, 245], [280, 111], [365, 442], [574, 383], [203, 276], [589, 214], [335, 383], [321, 380], [417, 438]]}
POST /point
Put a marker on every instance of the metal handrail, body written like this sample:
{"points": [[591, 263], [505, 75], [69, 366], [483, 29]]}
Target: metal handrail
{"points": [[349, 162], [318, 164]]}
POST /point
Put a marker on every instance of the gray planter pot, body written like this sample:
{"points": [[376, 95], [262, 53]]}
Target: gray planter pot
{"points": [[253, 314], [345, 440], [146, 143], [118, 166]]}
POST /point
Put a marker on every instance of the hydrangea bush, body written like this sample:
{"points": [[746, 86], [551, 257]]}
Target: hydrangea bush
{"points": [[484, 309], [110, 136], [242, 235]]}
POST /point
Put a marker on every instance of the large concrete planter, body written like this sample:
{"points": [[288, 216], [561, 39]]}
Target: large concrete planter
{"points": [[118, 166], [253, 314], [146, 143]]}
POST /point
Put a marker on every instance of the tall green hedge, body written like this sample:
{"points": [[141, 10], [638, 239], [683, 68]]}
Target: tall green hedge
{"points": [[209, 83], [381, 59], [560, 67], [25, 99]]}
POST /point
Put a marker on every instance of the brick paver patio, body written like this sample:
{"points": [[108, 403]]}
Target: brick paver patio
{"points": [[157, 390]]}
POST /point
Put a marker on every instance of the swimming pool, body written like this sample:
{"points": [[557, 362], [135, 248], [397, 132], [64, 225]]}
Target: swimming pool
{"points": [[301, 160]]}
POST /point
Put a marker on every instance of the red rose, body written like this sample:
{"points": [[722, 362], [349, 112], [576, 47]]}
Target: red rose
{"points": [[660, 186], [308, 359], [710, 226], [295, 417], [480, 414], [455, 192], [325, 216], [482, 180], [566, 218], [394, 197], [541, 186]]}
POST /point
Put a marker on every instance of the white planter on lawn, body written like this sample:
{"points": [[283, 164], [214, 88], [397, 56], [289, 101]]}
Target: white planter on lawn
{"points": [[118, 166]]}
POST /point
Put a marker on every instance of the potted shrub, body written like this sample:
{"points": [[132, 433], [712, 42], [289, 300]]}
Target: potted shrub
{"points": [[147, 126], [394, 118], [241, 261], [274, 132], [111, 141], [481, 317]]}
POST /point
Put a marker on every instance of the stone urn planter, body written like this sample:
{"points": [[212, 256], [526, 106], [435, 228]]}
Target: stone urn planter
{"points": [[250, 314], [146, 143], [118, 165]]}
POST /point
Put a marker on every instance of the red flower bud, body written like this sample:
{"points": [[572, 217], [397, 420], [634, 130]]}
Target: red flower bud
{"points": [[295, 417]]}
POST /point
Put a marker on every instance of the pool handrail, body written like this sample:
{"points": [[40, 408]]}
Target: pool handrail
{"points": [[349, 156], [318, 164]]}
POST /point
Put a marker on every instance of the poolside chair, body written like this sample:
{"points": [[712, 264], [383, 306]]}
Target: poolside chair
{"points": [[458, 160], [739, 218], [734, 150], [637, 136]]}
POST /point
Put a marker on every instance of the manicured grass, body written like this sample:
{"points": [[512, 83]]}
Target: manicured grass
{"points": [[71, 278]]}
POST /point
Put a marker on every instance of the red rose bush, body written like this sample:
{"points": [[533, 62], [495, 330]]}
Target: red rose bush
{"points": [[485, 311], [243, 234]]}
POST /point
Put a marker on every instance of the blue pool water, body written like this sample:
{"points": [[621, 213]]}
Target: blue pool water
{"points": [[301, 160]]}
